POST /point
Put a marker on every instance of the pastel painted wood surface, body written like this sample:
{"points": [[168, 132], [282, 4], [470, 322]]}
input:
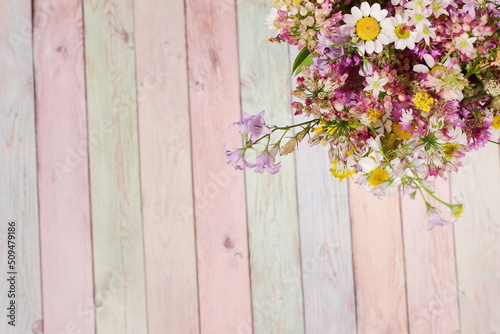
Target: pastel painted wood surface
{"points": [[18, 174], [63, 181], [477, 236], [431, 281], [166, 179], [325, 232], [271, 199], [378, 262], [120, 295], [219, 193], [325, 238]]}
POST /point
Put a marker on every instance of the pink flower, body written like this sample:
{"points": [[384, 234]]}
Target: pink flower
{"points": [[434, 218], [235, 156], [253, 126], [265, 162]]}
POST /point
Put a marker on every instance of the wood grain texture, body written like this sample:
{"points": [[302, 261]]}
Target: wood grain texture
{"points": [[325, 238], [63, 182], [477, 236], [167, 187], [271, 199], [120, 295], [220, 215], [18, 175], [378, 263], [431, 281], [325, 231]]}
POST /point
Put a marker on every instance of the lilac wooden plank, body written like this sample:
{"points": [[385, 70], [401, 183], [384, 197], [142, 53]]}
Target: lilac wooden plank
{"points": [[117, 235], [167, 189], [378, 263], [271, 200], [18, 176], [477, 236], [220, 215], [431, 281], [65, 231]]}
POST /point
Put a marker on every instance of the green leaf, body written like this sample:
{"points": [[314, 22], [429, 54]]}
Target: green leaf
{"points": [[301, 57]]}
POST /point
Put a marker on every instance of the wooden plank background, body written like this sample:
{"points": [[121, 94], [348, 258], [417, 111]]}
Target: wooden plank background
{"points": [[113, 117]]}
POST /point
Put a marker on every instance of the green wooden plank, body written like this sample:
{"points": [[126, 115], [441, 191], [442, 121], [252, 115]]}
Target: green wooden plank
{"points": [[114, 167], [271, 200]]}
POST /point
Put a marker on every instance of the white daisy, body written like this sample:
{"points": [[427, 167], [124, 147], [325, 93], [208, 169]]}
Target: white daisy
{"points": [[401, 34], [370, 25], [375, 84], [431, 65]]}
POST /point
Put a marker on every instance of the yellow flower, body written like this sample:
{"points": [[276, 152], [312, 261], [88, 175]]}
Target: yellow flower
{"points": [[450, 149], [378, 177], [457, 210], [374, 114], [496, 122], [423, 101], [400, 133], [338, 173]]}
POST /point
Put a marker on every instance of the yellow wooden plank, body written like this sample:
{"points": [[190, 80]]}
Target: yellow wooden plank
{"points": [[114, 167]]}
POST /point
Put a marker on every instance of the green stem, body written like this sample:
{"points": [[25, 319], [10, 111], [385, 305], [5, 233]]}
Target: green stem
{"points": [[494, 142], [435, 197]]}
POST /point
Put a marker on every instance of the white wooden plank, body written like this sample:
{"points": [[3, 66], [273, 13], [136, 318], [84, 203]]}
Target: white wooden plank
{"points": [[477, 236], [18, 175]]}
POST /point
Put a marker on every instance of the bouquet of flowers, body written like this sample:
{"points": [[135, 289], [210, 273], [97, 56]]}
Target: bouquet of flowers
{"points": [[399, 91]]}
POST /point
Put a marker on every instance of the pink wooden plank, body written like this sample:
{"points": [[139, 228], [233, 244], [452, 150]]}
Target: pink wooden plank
{"points": [[378, 263], [18, 175], [431, 281], [222, 244], [65, 231], [167, 189]]}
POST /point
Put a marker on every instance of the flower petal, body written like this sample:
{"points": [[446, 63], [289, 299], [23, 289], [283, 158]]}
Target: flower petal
{"points": [[365, 8], [370, 47], [420, 68], [356, 13]]}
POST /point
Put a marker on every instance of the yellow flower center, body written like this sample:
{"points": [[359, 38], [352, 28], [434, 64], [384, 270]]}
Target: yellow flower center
{"points": [[423, 101], [374, 114], [402, 31], [437, 68], [367, 28], [496, 122], [450, 149], [378, 177], [457, 210], [400, 133]]}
